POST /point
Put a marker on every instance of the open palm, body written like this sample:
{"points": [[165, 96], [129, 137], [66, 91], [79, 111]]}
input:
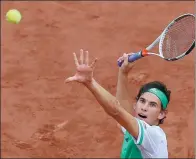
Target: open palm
{"points": [[84, 71]]}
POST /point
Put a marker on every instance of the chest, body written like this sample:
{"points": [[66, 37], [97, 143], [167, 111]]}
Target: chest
{"points": [[129, 148]]}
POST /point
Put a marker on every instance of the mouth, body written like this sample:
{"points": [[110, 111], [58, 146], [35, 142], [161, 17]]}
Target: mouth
{"points": [[142, 116]]}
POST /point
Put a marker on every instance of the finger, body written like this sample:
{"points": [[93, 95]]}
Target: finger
{"points": [[121, 58], [124, 59], [75, 59], [125, 56], [70, 79], [81, 57], [87, 58], [130, 53], [93, 63]]}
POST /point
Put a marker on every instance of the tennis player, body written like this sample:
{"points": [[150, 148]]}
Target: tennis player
{"points": [[143, 138], [149, 109]]}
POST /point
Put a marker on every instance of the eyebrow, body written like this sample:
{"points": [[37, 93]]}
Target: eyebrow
{"points": [[142, 98], [154, 102], [149, 101]]}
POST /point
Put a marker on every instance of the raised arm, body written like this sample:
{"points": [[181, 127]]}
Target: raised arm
{"points": [[110, 104], [122, 93]]}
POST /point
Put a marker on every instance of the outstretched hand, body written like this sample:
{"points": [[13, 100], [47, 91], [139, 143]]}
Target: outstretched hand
{"points": [[84, 71]]}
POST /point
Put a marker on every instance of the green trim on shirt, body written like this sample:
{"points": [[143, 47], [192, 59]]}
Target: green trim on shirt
{"points": [[141, 131], [129, 148]]}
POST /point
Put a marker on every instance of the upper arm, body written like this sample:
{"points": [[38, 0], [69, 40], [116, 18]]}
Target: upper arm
{"points": [[122, 92], [127, 121]]}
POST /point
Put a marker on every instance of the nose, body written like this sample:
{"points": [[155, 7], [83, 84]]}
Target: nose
{"points": [[145, 107]]}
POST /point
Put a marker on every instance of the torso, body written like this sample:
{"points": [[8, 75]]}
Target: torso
{"points": [[154, 144]]}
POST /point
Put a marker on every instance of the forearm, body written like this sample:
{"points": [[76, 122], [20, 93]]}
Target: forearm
{"points": [[122, 93], [113, 108], [109, 103]]}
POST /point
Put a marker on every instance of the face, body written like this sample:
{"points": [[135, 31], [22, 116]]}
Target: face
{"points": [[148, 108]]}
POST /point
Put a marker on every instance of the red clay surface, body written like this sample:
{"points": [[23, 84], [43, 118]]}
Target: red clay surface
{"points": [[37, 57]]}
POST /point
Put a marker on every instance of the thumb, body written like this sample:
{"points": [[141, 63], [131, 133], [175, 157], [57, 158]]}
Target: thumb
{"points": [[70, 79], [125, 57]]}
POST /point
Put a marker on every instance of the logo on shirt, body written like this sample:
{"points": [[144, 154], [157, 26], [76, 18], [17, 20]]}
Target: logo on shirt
{"points": [[126, 139]]}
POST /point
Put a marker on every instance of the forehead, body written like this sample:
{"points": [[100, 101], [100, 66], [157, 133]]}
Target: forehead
{"points": [[150, 97]]}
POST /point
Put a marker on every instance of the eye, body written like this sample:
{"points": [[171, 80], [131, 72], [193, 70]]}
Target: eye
{"points": [[153, 104], [142, 100]]}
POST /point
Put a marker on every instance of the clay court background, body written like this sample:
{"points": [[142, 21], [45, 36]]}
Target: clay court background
{"points": [[36, 57]]}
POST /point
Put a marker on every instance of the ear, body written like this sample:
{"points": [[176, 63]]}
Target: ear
{"points": [[162, 114]]}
